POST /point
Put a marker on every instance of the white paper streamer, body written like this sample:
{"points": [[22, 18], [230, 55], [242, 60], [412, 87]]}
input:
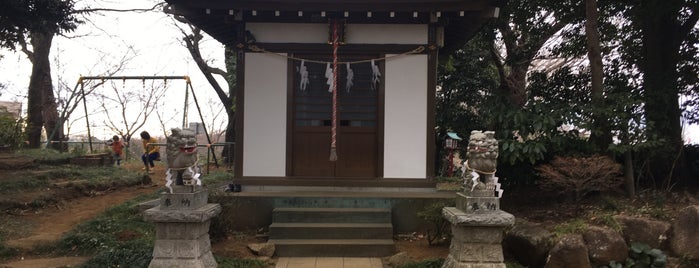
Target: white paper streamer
{"points": [[350, 78], [375, 75], [474, 179], [303, 72], [168, 179], [329, 76]]}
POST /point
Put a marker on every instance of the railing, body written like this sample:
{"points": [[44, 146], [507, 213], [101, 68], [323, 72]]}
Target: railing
{"points": [[228, 158], [227, 161]]}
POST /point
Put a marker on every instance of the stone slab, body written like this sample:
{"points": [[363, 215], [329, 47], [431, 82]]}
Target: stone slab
{"points": [[183, 200], [461, 218], [201, 214], [450, 262], [181, 230], [477, 204]]}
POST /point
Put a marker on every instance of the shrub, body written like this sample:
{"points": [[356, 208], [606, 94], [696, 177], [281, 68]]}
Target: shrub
{"points": [[11, 132], [580, 176], [441, 231], [642, 255]]}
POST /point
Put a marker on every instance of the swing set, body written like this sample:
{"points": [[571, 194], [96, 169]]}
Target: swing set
{"points": [[188, 89]]}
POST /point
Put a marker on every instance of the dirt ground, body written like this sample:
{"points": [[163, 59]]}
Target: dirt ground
{"points": [[49, 223]]}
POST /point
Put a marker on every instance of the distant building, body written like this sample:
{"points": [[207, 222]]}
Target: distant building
{"points": [[11, 108], [197, 127]]}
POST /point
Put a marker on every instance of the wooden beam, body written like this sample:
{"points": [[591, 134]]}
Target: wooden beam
{"points": [[338, 5]]}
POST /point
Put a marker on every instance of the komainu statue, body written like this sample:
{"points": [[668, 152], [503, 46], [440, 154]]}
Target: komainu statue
{"points": [[182, 158], [481, 164]]}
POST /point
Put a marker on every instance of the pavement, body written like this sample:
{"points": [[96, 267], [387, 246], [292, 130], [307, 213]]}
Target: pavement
{"points": [[328, 262]]}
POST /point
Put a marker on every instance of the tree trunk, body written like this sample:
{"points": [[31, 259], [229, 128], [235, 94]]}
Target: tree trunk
{"points": [[514, 86], [229, 151], [39, 84], [658, 21], [628, 174], [601, 134]]}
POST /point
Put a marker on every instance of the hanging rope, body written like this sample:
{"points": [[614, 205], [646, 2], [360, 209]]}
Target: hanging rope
{"points": [[333, 145], [417, 50]]}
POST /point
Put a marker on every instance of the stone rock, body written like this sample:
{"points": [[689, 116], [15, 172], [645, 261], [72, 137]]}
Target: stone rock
{"points": [[528, 243], [685, 233], [399, 259], [262, 249], [650, 232], [570, 251], [605, 245]]}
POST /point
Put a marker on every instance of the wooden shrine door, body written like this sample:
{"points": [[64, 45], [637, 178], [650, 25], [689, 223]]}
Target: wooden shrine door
{"points": [[358, 120]]}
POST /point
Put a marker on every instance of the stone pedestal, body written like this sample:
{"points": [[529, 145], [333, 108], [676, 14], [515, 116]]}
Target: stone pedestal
{"points": [[477, 225], [182, 228]]}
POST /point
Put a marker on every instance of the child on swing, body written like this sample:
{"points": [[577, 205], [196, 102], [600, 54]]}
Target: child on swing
{"points": [[152, 151]]}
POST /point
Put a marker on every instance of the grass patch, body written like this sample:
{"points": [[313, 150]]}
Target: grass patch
{"points": [[119, 228], [429, 263], [575, 226], [46, 156], [224, 262], [216, 177], [81, 178], [119, 237]]}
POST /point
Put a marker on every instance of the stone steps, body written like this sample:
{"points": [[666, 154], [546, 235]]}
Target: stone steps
{"points": [[358, 215], [333, 247], [332, 232]]}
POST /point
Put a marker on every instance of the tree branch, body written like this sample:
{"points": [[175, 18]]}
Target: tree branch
{"points": [[689, 24], [25, 49], [90, 10]]}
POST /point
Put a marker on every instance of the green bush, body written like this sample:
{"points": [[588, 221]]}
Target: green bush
{"points": [[642, 256], [11, 132], [441, 228]]}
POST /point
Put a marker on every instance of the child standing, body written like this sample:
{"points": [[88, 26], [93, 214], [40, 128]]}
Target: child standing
{"points": [[117, 149]]}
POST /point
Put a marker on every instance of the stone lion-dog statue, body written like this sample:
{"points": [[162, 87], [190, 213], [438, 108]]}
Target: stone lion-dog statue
{"points": [[182, 158]]}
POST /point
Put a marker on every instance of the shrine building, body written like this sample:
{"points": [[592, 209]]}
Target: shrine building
{"points": [[336, 92]]}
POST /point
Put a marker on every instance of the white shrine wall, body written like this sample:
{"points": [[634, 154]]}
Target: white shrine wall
{"points": [[405, 119], [264, 136]]}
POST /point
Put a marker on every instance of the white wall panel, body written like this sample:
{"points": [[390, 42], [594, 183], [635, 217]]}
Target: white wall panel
{"points": [[289, 32], [264, 151], [405, 117], [386, 34]]}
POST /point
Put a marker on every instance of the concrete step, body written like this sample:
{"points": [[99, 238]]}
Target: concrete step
{"points": [[304, 230], [332, 201], [330, 215], [333, 247]]}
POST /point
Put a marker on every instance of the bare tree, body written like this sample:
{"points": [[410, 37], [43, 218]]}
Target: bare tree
{"points": [[192, 39], [35, 40], [68, 98], [127, 111]]}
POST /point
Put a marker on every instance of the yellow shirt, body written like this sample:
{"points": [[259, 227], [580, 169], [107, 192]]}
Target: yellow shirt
{"points": [[153, 148]]}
